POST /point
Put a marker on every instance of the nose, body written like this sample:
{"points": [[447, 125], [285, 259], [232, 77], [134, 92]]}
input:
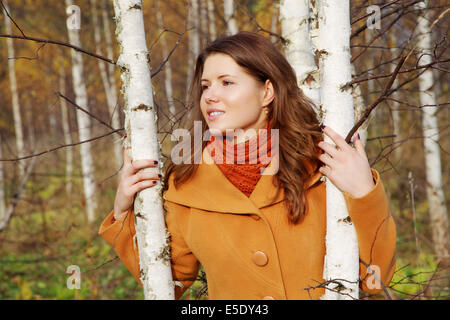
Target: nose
{"points": [[209, 95]]}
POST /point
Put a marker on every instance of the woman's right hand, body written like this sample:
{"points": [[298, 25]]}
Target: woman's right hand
{"points": [[132, 180]]}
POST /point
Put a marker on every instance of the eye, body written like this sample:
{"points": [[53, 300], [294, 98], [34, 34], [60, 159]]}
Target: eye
{"points": [[204, 87], [228, 82]]}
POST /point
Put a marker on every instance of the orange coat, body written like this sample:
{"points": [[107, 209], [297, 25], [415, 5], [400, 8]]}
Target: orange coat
{"points": [[246, 245]]}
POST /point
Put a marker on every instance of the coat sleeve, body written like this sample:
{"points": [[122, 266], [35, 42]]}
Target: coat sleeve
{"points": [[120, 235], [376, 232]]}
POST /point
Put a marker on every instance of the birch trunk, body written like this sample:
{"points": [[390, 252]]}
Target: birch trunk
{"points": [[83, 120], [342, 255], [194, 46], [274, 22], [228, 11], [66, 130], [360, 109], [435, 194], [2, 185], [203, 23], [141, 126], [14, 92], [294, 17], [212, 21], [167, 67], [394, 104], [111, 98], [114, 112], [111, 68]]}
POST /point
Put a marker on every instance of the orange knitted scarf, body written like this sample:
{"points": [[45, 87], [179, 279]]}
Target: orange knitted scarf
{"points": [[250, 158]]}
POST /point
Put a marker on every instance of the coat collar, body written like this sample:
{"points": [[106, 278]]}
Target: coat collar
{"points": [[209, 189]]}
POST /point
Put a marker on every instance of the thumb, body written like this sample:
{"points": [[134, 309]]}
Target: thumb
{"points": [[126, 157]]}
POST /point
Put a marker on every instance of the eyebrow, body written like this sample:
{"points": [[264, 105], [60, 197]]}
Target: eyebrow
{"points": [[219, 77]]}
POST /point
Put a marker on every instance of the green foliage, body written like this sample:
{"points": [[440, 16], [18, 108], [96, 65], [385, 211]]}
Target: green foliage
{"points": [[413, 280]]}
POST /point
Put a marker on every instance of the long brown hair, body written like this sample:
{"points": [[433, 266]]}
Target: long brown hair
{"points": [[291, 111]]}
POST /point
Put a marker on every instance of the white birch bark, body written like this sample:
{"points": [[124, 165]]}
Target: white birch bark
{"points": [[360, 109], [66, 130], [140, 124], [228, 12], [342, 255], [203, 23], [83, 120], [18, 129], [167, 67], [212, 21], [111, 68], [111, 98], [435, 194], [274, 21], [394, 104], [115, 114], [314, 23], [17, 194], [294, 16], [2, 186], [194, 46]]}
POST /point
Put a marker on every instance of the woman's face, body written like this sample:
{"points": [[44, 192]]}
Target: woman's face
{"points": [[238, 97]]}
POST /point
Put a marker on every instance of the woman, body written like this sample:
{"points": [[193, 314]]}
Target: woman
{"points": [[257, 236]]}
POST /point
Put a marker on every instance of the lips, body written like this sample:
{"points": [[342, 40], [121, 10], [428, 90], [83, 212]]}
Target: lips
{"points": [[214, 113]]}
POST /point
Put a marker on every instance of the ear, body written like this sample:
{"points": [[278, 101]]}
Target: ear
{"points": [[269, 93]]}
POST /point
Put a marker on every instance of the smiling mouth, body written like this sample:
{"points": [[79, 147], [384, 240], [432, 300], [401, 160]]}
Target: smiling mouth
{"points": [[215, 114]]}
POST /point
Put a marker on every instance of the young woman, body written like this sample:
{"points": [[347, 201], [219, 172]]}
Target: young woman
{"points": [[257, 236]]}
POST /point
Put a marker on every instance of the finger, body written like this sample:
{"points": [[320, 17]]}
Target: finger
{"points": [[126, 158], [142, 176], [142, 185], [359, 146], [325, 170], [325, 158], [144, 163], [337, 138], [328, 148]]}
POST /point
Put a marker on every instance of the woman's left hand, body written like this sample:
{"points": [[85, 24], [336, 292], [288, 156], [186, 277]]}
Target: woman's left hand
{"points": [[348, 168]]}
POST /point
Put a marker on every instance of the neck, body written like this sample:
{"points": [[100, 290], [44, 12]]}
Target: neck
{"points": [[246, 136]]}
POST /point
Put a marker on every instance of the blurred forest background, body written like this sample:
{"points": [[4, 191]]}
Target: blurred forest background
{"points": [[44, 225]]}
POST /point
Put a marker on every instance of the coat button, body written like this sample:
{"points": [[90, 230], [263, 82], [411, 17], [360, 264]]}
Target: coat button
{"points": [[260, 258], [255, 217], [268, 298]]}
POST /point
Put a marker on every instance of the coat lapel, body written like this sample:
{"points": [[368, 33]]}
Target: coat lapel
{"points": [[209, 189]]}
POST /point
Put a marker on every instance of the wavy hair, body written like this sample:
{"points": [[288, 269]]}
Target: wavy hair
{"points": [[291, 111]]}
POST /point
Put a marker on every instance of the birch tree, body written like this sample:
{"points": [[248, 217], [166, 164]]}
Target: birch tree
{"points": [[167, 67], [203, 23], [435, 194], [228, 12], [18, 129], [212, 21], [2, 185], [83, 120], [110, 93], [194, 44], [66, 129], [274, 22], [294, 17], [141, 127], [342, 254], [394, 106]]}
